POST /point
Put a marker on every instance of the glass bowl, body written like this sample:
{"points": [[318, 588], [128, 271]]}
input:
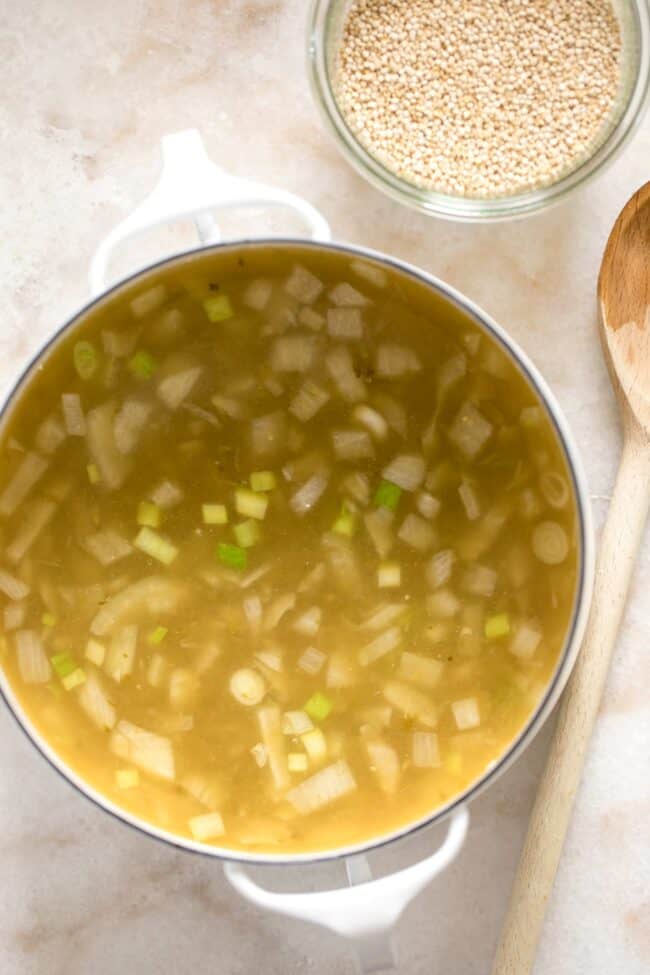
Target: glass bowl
{"points": [[325, 26]]}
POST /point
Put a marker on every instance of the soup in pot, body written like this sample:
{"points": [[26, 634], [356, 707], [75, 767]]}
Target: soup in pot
{"points": [[288, 549]]}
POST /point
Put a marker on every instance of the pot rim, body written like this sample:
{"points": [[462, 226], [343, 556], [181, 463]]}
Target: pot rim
{"points": [[584, 582]]}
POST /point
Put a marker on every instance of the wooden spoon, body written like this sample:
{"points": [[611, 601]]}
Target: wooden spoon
{"points": [[624, 295]]}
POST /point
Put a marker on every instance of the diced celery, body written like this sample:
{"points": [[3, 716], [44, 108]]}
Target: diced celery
{"points": [[346, 523], [74, 679], [63, 664], [95, 652], [314, 744], [232, 556], [157, 635], [318, 706], [93, 473], [48, 619], [142, 364], [85, 358], [149, 514], [387, 495], [214, 514], [153, 544], [263, 480], [251, 504], [497, 626], [127, 778], [297, 762], [247, 533], [217, 308]]}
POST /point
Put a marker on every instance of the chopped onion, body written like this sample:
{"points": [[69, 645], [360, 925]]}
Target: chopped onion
{"points": [[278, 608], [379, 524], [417, 533], [311, 661], [174, 389], [352, 444], [420, 670], [270, 722], [411, 703], [470, 431], [95, 702], [107, 546], [130, 422], [384, 762], [103, 445], [443, 603], [36, 517], [252, 577], [450, 372], [550, 543], [258, 293], [154, 595], [466, 713], [33, 664], [385, 614], [14, 616], [370, 273], [148, 301], [393, 411], [380, 646], [95, 652], [309, 399], [293, 353], [469, 500], [247, 686], [323, 788], [312, 319], [357, 487], [343, 295], [483, 536], [395, 361], [389, 575], [530, 505], [555, 489], [271, 659], [309, 494], [340, 368], [120, 658], [372, 420], [73, 415], [313, 578], [315, 745], [439, 568], [308, 623], [427, 505], [151, 753], [480, 580], [343, 562], [157, 670], [11, 586], [341, 670], [344, 323], [405, 470], [29, 471], [526, 640], [167, 495], [50, 435], [426, 751], [472, 342], [183, 689], [206, 827], [268, 433], [302, 285], [119, 345], [258, 751], [228, 406], [296, 723], [253, 611]]}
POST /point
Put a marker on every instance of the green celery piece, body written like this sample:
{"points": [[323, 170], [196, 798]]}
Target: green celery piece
{"points": [[387, 495]]}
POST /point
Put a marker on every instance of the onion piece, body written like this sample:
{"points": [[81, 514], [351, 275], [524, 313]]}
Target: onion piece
{"points": [[310, 318], [120, 657], [406, 470], [323, 788], [309, 399], [148, 301], [278, 608], [153, 595], [439, 568], [420, 670], [119, 345], [379, 524], [271, 659], [308, 623], [427, 505], [411, 703], [268, 433], [107, 546], [172, 390], [343, 562], [443, 603], [469, 431], [526, 639], [304, 499], [352, 444], [380, 646], [167, 495], [340, 368], [417, 533], [296, 723], [357, 487], [469, 499], [393, 412], [129, 424], [313, 578], [11, 586], [14, 615], [343, 295], [50, 435], [36, 516], [33, 664], [371, 420], [384, 763], [466, 713], [253, 612], [555, 489], [479, 580], [257, 294], [383, 615], [103, 447], [259, 753], [341, 670], [345, 324], [302, 285], [29, 471], [73, 415], [311, 661], [150, 752], [228, 406], [425, 752], [293, 353], [396, 361], [206, 827], [270, 723], [95, 702], [370, 273], [247, 686]]}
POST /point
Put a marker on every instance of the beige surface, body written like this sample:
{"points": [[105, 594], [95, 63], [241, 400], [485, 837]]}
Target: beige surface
{"points": [[88, 89]]}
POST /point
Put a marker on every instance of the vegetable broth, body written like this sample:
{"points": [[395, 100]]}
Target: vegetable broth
{"points": [[289, 549]]}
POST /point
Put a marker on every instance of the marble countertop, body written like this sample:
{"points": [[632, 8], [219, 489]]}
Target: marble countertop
{"points": [[88, 90]]}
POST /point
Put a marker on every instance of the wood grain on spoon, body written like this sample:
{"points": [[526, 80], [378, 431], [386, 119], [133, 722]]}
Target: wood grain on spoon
{"points": [[624, 294]]}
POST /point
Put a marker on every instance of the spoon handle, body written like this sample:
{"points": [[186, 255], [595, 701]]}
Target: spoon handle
{"points": [[578, 711]]}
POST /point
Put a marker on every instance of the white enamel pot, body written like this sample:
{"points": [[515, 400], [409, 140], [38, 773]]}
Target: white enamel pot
{"points": [[367, 910]]}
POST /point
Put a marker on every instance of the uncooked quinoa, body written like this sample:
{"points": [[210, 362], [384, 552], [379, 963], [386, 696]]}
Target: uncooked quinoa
{"points": [[483, 98]]}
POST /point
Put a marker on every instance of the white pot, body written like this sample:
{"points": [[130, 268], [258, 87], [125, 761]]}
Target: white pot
{"points": [[192, 186]]}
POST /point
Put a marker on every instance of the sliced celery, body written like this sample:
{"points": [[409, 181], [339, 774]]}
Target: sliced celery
{"points": [[85, 358], [347, 521], [263, 480], [318, 706], [153, 544], [157, 635], [247, 533], [387, 495], [214, 514], [63, 664], [149, 514], [217, 308], [75, 679], [142, 364], [48, 619], [251, 504], [232, 556], [497, 626], [93, 473]]}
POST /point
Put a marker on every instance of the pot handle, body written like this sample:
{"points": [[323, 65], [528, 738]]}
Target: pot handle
{"points": [[191, 185], [367, 910]]}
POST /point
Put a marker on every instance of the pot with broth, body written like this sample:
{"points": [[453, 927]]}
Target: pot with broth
{"points": [[289, 549]]}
